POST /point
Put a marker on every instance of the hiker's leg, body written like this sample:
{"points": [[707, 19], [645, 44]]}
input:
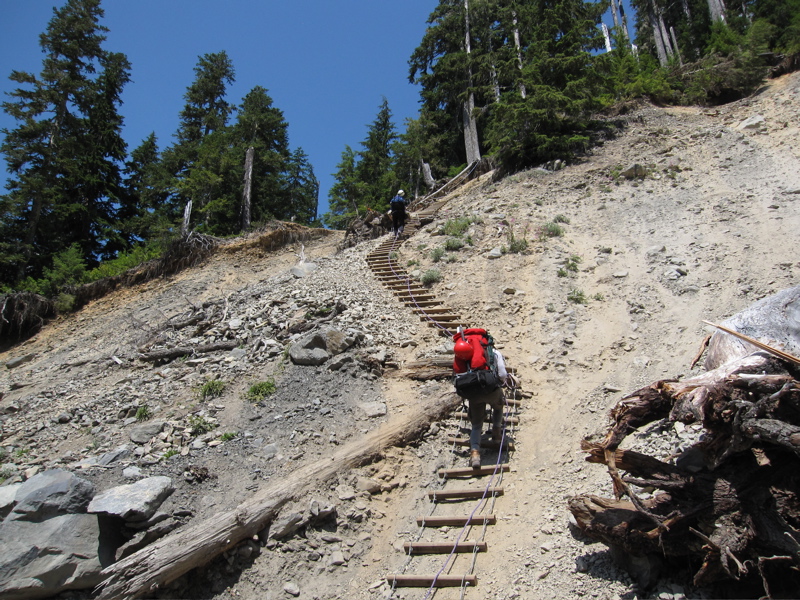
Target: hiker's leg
{"points": [[497, 402], [477, 412]]}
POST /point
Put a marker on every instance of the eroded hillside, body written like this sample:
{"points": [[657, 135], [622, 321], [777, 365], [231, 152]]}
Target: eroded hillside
{"points": [[614, 303]]}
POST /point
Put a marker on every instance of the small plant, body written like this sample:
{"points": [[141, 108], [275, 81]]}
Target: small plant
{"points": [[605, 189], [22, 453], [599, 297], [211, 389], [412, 263], [572, 263], [469, 240], [261, 390], [227, 436], [437, 254], [457, 226], [551, 230], [562, 272], [392, 255], [143, 413], [516, 245], [450, 258], [605, 250], [561, 219], [200, 424], [430, 277], [170, 453], [452, 244], [576, 296], [551, 308], [422, 247]]}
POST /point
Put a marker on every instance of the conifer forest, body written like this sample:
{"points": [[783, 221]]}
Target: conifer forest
{"points": [[514, 82]]}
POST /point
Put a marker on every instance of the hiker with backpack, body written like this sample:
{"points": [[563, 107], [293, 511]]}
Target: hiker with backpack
{"points": [[398, 209], [480, 373]]}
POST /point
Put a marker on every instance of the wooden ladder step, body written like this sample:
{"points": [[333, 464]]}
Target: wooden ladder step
{"points": [[443, 547], [436, 496], [431, 580], [484, 443], [445, 521], [488, 419], [470, 472]]}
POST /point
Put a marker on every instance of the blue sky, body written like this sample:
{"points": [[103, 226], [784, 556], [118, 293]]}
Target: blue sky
{"points": [[327, 65]]}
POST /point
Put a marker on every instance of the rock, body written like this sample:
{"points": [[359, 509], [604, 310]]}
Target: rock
{"points": [[366, 484], [270, 451], [54, 492], [494, 253], [284, 526], [141, 434], [620, 274], [132, 472], [134, 501], [754, 123], [303, 270], [634, 171], [291, 588], [20, 360], [39, 560], [106, 459], [7, 498], [340, 361], [337, 558], [374, 409]]}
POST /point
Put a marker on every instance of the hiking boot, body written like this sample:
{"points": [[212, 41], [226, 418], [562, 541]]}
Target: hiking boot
{"points": [[475, 459]]}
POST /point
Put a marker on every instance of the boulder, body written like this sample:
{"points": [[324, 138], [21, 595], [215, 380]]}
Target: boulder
{"points": [[141, 434], [51, 493], [303, 270], [8, 495], [316, 348], [634, 171], [39, 560], [134, 501]]}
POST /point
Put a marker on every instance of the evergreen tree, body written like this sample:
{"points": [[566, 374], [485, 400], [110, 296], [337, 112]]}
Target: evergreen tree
{"points": [[345, 195], [375, 162], [147, 212], [301, 190], [64, 154]]}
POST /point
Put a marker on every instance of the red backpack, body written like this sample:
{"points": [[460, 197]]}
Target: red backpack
{"points": [[476, 375]]}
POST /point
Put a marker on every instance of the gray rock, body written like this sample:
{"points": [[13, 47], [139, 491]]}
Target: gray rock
{"points": [[39, 560], [132, 472], [340, 361], [269, 451], [291, 588], [494, 253], [754, 123], [337, 558], [303, 270], [8, 494], [20, 360], [374, 409], [134, 501], [54, 492], [284, 526], [318, 347], [634, 171], [106, 459], [141, 434]]}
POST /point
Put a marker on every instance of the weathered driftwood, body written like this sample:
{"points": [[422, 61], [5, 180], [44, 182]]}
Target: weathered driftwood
{"points": [[172, 556], [728, 506], [178, 351]]}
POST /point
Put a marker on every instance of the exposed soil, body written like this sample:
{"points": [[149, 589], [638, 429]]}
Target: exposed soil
{"points": [[711, 228]]}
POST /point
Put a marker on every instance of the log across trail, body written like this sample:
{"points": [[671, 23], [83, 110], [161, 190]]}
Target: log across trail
{"points": [[172, 556]]}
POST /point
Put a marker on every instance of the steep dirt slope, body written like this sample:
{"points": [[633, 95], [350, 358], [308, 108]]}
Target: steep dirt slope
{"points": [[710, 229]]}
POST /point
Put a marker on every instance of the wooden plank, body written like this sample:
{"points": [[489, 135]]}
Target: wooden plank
{"points": [[464, 547], [445, 521], [431, 580], [484, 443], [438, 495], [470, 472], [508, 420]]}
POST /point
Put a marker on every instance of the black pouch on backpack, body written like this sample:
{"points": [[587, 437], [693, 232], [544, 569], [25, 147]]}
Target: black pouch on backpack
{"points": [[476, 383]]}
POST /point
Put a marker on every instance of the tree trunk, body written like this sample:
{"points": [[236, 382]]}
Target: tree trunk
{"points": [[665, 35], [717, 10], [675, 44], [248, 186], [187, 217], [518, 46], [471, 144], [172, 556], [430, 182], [659, 41], [607, 37], [614, 14]]}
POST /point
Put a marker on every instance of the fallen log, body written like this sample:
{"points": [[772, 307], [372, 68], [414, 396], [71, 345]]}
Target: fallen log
{"points": [[172, 556], [178, 351]]}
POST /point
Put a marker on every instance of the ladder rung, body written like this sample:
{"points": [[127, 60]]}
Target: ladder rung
{"points": [[509, 420], [443, 547], [436, 496], [445, 521], [484, 443], [470, 472], [431, 580]]}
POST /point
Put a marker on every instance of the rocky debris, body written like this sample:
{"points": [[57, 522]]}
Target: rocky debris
{"points": [[54, 492], [134, 501]]}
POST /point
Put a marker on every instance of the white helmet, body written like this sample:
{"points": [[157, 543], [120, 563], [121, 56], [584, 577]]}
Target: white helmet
{"points": [[401, 193]]}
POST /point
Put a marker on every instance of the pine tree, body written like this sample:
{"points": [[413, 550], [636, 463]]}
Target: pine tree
{"points": [[147, 212], [345, 195], [64, 154], [375, 162], [301, 190]]}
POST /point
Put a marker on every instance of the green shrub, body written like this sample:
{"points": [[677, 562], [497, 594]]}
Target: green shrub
{"points": [[452, 244], [517, 245], [551, 230], [561, 219], [562, 272], [456, 227], [576, 296], [143, 413], [599, 297], [437, 254], [211, 389], [430, 277], [170, 453], [227, 436], [200, 425], [572, 263], [126, 260], [261, 390]]}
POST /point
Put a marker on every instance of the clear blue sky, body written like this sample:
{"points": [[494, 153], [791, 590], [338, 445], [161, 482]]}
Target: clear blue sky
{"points": [[327, 65]]}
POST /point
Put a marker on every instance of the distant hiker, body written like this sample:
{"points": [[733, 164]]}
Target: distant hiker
{"points": [[480, 373], [398, 208]]}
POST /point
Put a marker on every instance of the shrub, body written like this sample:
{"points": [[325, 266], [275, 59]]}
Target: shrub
{"points": [[576, 296], [437, 254], [227, 436], [452, 244], [551, 230], [143, 413], [457, 226], [170, 453], [200, 424], [572, 263], [261, 390], [430, 277], [561, 219], [211, 389], [562, 272]]}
